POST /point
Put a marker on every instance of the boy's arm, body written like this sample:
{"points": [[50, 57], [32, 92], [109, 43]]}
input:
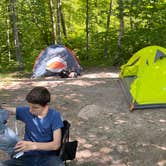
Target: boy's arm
{"points": [[53, 145], [11, 110], [28, 145]]}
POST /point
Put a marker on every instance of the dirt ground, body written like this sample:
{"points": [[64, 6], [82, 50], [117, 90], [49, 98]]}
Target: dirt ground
{"points": [[108, 134]]}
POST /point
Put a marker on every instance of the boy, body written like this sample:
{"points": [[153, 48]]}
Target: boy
{"points": [[42, 136]]}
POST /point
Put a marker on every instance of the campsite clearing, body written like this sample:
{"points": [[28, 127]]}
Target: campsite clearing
{"points": [[108, 133]]}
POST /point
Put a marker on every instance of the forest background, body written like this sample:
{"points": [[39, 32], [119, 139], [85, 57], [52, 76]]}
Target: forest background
{"points": [[101, 32]]}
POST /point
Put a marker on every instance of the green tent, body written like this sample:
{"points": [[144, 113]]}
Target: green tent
{"points": [[143, 78]]}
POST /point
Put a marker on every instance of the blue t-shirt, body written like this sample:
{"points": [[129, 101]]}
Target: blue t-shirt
{"points": [[39, 129]]}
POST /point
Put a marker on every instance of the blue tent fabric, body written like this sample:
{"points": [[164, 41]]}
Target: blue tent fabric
{"points": [[53, 54]]}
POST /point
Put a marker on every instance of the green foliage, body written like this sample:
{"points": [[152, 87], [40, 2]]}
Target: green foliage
{"points": [[144, 24]]}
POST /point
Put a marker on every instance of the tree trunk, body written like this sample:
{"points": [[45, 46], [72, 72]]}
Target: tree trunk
{"points": [[121, 27], [53, 22], [121, 30], [16, 38], [87, 28], [8, 31], [131, 22], [63, 22], [59, 40], [107, 29]]}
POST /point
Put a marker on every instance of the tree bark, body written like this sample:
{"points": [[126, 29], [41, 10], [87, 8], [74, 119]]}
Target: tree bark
{"points": [[16, 38], [63, 21], [121, 30], [53, 22], [87, 28], [107, 29], [8, 30], [59, 40]]}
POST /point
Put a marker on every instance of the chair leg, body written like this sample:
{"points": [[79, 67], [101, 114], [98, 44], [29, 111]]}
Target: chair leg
{"points": [[65, 163]]}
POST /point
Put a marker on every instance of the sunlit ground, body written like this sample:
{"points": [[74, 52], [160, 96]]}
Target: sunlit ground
{"points": [[108, 134]]}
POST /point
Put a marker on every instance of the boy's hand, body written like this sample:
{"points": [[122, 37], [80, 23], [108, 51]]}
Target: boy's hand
{"points": [[11, 110], [2, 105], [23, 146]]}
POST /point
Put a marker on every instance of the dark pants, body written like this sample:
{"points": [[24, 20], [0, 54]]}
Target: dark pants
{"points": [[44, 160]]}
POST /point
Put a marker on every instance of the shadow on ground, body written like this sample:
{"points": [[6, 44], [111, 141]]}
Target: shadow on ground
{"points": [[107, 132]]}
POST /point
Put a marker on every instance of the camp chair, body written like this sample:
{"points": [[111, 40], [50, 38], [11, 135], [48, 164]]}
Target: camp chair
{"points": [[68, 148], [8, 138]]}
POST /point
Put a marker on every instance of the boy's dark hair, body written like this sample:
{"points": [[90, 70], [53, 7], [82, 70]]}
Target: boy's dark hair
{"points": [[38, 95]]}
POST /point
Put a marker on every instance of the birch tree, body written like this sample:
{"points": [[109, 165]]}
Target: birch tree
{"points": [[8, 31], [53, 22], [87, 28], [121, 31], [16, 37], [107, 28], [59, 37]]}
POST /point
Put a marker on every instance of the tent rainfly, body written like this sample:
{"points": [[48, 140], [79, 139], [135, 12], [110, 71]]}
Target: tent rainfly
{"points": [[54, 59], [143, 78]]}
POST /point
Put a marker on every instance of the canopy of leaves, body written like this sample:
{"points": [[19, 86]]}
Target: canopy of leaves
{"points": [[144, 24]]}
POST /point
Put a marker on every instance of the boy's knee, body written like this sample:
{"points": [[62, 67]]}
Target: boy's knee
{"points": [[2, 164]]}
